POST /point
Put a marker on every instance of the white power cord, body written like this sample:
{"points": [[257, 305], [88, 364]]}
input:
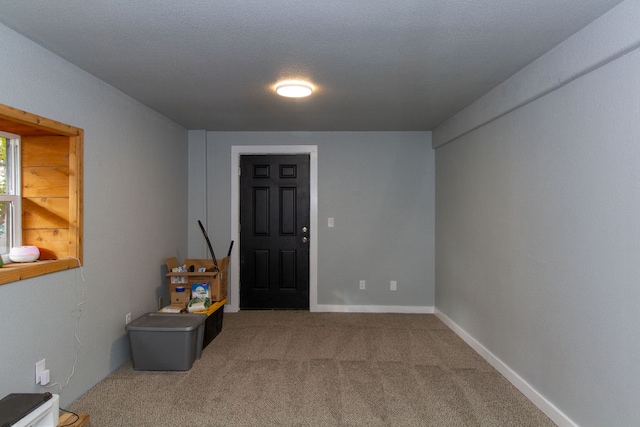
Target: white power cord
{"points": [[78, 313]]}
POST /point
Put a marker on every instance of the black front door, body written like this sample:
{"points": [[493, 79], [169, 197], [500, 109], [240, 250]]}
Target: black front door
{"points": [[274, 231]]}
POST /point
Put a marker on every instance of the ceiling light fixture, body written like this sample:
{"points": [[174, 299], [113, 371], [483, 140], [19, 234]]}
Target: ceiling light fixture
{"points": [[294, 89]]}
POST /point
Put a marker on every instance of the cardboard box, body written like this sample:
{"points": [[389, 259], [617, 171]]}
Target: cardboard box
{"points": [[217, 279], [180, 299], [223, 265]]}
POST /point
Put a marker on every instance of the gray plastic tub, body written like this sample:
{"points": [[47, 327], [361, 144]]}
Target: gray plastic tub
{"points": [[166, 341]]}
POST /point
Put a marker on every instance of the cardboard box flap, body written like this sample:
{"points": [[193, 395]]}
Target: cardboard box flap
{"points": [[199, 263], [172, 263]]}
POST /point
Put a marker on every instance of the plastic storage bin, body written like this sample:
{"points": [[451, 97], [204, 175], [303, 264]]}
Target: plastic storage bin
{"points": [[29, 410], [213, 325], [166, 341]]}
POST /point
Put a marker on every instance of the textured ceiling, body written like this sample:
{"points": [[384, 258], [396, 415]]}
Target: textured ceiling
{"points": [[377, 65]]}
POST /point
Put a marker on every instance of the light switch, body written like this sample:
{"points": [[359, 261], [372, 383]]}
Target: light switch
{"points": [[330, 222]]}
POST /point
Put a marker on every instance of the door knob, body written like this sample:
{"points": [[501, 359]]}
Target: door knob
{"points": [[304, 229], [304, 239]]}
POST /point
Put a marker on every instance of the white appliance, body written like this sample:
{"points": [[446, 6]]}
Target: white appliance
{"points": [[45, 415]]}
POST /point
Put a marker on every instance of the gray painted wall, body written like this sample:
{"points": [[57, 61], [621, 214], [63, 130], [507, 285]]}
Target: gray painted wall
{"points": [[135, 208], [538, 224], [379, 187]]}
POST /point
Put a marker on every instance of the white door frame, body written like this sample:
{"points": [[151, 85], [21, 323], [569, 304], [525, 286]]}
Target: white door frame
{"points": [[234, 278]]}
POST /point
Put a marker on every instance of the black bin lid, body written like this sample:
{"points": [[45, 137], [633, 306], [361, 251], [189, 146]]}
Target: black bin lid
{"points": [[15, 406]]}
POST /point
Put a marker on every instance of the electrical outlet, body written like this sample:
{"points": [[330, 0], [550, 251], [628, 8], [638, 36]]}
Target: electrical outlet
{"points": [[127, 319], [393, 285], [40, 366], [362, 284]]}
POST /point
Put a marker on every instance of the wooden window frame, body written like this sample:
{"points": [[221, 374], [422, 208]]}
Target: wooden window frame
{"points": [[59, 238]]}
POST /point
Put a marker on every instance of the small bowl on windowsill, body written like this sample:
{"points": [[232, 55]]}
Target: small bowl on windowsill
{"points": [[24, 253]]}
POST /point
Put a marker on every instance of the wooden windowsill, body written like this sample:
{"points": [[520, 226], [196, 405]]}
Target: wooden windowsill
{"points": [[19, 271]]}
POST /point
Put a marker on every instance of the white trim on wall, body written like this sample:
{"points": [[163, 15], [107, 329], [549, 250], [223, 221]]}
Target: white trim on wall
{"points": [[555, 414], [234, 278], [404, 309]]}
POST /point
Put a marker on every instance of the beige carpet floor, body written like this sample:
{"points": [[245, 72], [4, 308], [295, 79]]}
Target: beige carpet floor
{"points": [[295, 368]]}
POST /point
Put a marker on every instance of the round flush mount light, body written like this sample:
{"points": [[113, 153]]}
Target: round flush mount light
{"points": [[294, 89]]}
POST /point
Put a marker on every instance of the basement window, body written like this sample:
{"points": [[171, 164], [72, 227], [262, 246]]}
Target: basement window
{"points": [[44, 207]]}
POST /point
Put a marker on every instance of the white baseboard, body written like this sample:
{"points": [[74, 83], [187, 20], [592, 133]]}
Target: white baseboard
{"points": [[328, 308], [556, 415], [372, 309]]}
